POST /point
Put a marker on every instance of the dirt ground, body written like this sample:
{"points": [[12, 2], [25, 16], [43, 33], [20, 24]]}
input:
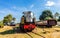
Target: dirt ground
{"points": [[8, 32]]}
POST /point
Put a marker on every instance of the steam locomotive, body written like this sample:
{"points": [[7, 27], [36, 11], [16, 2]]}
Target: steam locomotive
{"points": [[27, 21]]}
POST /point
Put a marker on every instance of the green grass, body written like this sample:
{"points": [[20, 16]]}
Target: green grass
{"points": [[8, 32]]}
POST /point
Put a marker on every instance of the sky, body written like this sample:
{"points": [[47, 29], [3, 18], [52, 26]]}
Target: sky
{"points": [[16, 7]]}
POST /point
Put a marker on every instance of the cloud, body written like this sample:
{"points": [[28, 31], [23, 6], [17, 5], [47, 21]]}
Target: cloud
{"points": [[32, 6], [19, 8], [50, 3], [57, 4], [7, 11], [2, 12], [17, 11], [14, 10]]}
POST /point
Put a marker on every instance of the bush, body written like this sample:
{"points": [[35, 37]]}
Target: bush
{"points": [[1, 24], [59, 18], [47, 18]]}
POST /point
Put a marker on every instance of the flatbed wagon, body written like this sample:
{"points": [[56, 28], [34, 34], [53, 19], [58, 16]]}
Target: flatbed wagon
{"points": [[47, 23]]}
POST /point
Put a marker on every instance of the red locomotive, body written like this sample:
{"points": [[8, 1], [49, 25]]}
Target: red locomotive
{"points": [[27, 21]]}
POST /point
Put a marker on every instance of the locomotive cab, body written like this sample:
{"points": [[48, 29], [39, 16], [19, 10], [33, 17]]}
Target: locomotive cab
{"points": [[27, 21]]}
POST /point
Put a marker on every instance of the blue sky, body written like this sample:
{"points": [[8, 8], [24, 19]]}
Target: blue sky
{"points": [[16, 7]]}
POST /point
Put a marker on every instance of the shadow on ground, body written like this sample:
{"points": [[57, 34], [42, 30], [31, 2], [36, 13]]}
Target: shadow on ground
{"points": [[13, 31]]}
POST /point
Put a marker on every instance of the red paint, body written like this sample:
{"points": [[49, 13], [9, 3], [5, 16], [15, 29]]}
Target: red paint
{"points": [[25, 27], [33, 26], [29, 27]]}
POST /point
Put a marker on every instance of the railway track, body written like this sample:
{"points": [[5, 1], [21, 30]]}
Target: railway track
{"points": [[55, 30], [30, 34], [33, 34], [45, 30]]}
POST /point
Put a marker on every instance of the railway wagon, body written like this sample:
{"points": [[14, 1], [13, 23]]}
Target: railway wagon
{"points": [[47, 23], [27, 21]]}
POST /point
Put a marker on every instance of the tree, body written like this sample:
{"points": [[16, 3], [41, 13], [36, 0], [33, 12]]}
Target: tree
{"points": [[14, 19], [48, 18], [56, 15], [59, 18], [8, 19], [5, 20], [46, 13], [1, 24]]}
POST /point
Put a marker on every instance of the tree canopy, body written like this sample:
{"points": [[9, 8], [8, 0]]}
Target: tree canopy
{"points": [[8, 19], [59, 18], [45, 14], [56, 15], [1, 24]]}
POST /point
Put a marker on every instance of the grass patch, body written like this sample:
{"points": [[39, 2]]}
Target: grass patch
{"points": [[8, 32]]}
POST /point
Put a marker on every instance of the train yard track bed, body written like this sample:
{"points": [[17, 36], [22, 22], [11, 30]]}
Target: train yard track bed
{"points": [[8, 32]]}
